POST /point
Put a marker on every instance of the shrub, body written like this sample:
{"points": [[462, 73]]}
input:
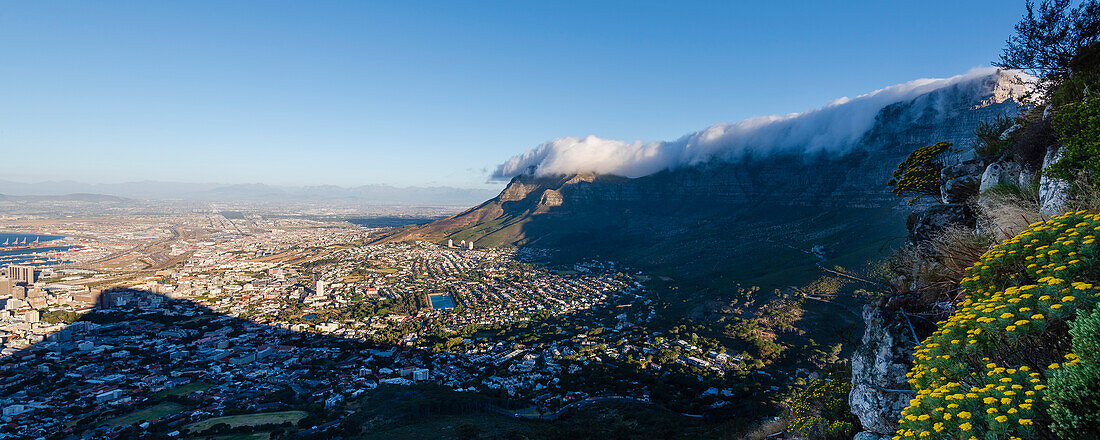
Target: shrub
{"points": [[1075, 388], [821, 411], [987, 136], [1086, 195], [919, 174], [932, 269], [984, 371], [1031, 141], [1078, 128], [767, 429]]}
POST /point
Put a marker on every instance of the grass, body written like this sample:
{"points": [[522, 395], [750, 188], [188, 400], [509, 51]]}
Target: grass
{"points": [[249, 420], [184, 390], [154, 412]]}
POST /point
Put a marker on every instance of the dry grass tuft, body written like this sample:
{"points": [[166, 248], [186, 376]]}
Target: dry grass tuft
{"points": [[768, 430], [1007, 210]]}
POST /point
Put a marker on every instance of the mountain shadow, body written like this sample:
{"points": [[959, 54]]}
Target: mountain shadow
{"points": [[143, 365], [766, 220]]}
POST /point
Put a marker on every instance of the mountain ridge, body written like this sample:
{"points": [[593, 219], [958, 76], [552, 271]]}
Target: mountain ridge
{"points": [[752, 219]]}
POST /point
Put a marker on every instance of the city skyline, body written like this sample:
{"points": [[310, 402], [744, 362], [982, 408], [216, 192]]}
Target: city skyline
{"points": [[430, 94]]}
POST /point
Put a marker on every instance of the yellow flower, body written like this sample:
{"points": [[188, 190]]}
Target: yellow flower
{"points": [[965, 426]]}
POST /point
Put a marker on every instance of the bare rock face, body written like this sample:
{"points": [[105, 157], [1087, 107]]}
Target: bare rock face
{"points": [[926, 224], [1004, 173], [960, 181], [1053, 192], [879, 387]]}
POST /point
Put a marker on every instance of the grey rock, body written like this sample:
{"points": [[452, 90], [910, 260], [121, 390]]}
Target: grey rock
{"points": [[960, 181], [878, 372], [1002, 173], [928, 223], [1053, 192], [867, 435], [1009, 131]]}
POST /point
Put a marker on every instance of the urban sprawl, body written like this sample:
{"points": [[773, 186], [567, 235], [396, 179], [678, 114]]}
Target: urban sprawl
{"points": [[169, 324]]}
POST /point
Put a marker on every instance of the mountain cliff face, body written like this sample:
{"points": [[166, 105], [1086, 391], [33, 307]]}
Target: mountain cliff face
{"points": [[752, 219]]}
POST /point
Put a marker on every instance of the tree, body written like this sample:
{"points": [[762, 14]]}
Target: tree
{"points": [[1049, 36], [919, 174]]}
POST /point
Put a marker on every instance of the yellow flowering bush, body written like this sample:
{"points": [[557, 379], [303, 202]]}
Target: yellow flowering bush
{"points": [[821, 411], [983, 373], [919, 174]]}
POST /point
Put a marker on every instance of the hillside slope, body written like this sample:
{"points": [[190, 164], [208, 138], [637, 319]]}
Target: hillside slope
{"points": [[753, 220]]}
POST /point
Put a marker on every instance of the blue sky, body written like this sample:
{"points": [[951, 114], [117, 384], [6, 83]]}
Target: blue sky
{"points": [[432, 93]]}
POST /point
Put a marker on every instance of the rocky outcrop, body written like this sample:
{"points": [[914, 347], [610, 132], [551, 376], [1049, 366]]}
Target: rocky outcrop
{"points": [[879, 387], [926, 224], [1053, 192], [961, 181], [880, 390], [1005, 173]]}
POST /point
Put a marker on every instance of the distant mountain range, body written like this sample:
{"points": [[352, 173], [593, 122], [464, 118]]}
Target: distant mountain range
{"points": [[154, 190], [760, 218], [75, 197]]}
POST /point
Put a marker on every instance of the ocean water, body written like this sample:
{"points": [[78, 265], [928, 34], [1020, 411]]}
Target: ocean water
{"points": [[29, 237], [23, 256]]}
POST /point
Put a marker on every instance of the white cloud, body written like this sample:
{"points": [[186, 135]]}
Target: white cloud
{"points": [[833, 128]]}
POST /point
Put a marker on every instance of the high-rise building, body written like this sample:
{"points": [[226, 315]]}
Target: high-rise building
{"points": [[5, 285], [450, 243], [320, 288], [471, 245], [22, 274]]}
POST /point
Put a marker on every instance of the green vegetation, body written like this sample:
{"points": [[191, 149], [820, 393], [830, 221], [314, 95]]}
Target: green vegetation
{"points": [[270, 418], [143, 415], [919, 174], [1078, 126], [1050, 36], [988, 142], [59, 316], [984, 371], [1075, 388], [821, 411]]}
